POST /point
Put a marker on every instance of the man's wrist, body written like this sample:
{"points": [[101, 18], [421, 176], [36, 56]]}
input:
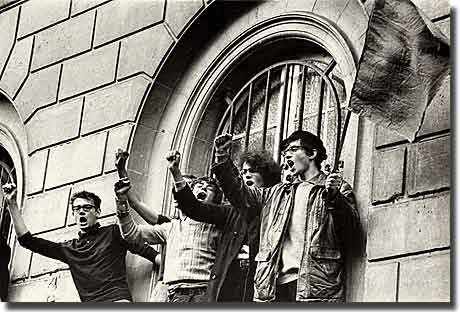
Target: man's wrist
{"points": [[122, 207]]}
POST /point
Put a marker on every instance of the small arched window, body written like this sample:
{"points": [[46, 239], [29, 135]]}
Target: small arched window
{"points": [[7, 175]]}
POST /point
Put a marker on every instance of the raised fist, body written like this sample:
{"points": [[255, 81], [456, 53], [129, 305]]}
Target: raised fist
{"points": [[10, 192], [223, 144], [173, 159], [122, 187], [333, 183], [121, 157]]}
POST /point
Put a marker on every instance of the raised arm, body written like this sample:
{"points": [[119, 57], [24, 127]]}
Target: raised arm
{"points": [[124, 191], [249, 200], [25, 238], [186, 200]]}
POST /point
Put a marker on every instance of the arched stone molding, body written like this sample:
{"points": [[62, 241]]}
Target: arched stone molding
{"points": [[180, 94], [14, 140]]}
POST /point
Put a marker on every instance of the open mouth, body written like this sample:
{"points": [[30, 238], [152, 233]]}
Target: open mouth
{"points": [[82, 220], [249, 183], [201, 196]]}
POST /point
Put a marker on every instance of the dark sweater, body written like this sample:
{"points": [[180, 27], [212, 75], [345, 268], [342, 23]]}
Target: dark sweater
{"points": [[96, 260], [237, 230]]}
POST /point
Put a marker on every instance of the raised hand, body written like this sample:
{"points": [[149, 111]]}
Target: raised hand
{"points": [[173, 159], [222, 145], [10, 192], [121, 188], [121, 158], [333, 183]]}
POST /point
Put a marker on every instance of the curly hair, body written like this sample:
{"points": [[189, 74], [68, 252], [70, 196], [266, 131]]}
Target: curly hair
{"points": [[88, 196], [264, 164]]}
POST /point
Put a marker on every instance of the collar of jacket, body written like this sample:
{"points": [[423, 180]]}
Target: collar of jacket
{"points": [[319, 179]]}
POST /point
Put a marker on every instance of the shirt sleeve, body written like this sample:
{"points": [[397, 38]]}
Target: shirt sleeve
{"points": [[143, 250], [138, 234], [43, 247]]}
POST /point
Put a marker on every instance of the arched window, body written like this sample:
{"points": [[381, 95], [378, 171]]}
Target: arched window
{"points": [[270, 105], [7, 175]]}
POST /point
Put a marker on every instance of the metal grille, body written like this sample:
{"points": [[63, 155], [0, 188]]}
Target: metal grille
{"points": [[288, 96], [7, 175]]}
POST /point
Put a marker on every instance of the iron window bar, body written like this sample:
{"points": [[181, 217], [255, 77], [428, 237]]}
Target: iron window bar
{"points": [[230, 113]]}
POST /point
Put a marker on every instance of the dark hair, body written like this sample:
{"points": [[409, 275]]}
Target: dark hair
{"points": [[264, 164], [211, 181], [189, 178], [310, 142], [89, 196]]}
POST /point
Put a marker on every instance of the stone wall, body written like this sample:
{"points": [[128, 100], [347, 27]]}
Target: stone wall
{"points": [[87, 77], [408, 238]]}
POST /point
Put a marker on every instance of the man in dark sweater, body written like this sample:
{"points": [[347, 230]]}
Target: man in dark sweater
{"points": [[232, 277], [96, 258]]}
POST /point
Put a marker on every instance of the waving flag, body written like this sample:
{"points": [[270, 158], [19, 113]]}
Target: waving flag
{"points": [[404, 61]]}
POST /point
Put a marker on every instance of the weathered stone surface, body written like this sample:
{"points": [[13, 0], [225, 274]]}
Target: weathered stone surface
{"points": [[437, 115], [35, 290], [425, 279], [36, 172], [351, 23], [444, 26], [142, 147], [103, 187], [429, 165], [118, 138], [41, 264], [8, 22], [39, 90], [20, 263], [54, 124], [17, 67], [4, 3], [410, 226], [180, 13], [144, 51], [119, 18], [433, 9], [154, 106], [46, 211], [65, 288], [81, 159], [83, 5], [381, 282], [33, 17], [88, 71], [116, 103], [330, 10], [63, 40], [139, 274], [385, 136], [388, 174]]}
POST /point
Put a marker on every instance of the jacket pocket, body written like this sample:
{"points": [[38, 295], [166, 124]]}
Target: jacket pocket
{"points": [[326, 272], [264, 279]]}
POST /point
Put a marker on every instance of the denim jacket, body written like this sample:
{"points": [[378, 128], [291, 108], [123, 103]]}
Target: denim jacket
{"points": [[321, 276]]}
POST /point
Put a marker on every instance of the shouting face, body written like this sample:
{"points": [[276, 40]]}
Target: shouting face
{"points": [[85, 213], [296, 161], [204, 191], [250, 176]]}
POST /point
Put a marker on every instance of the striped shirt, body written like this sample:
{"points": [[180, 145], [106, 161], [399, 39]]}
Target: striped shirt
{"points": [[191, 250]]}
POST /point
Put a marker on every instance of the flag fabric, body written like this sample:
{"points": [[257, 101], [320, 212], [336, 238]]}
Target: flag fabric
{"points": [[404, 62]]}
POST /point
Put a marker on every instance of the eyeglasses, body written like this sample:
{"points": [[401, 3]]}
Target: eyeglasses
{"points": [[250, 170], [86, 208], [293, 148]]}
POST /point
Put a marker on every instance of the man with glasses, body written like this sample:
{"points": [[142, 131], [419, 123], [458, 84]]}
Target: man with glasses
{"points": [[96, 258], [305, 222]]}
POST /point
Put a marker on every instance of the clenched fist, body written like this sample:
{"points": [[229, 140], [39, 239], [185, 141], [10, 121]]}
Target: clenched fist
{"points": [[223, 144], [333, 183], [10, 192], [121, 157], [173, 159]]}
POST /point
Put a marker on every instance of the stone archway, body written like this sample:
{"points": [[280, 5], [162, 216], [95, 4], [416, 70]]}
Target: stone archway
{"points": [[204, 55]]}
